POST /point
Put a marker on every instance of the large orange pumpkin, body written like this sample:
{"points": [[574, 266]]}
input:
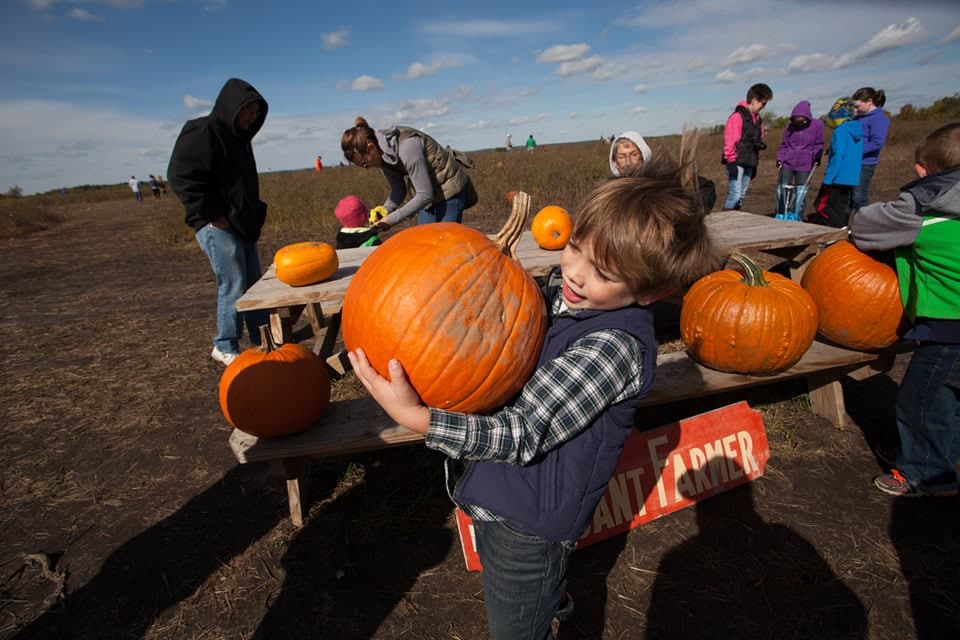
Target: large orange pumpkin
{"points": [[551, 228], [274, 391], [753, 322], [304, 263], [857, 297], [464, 319]]}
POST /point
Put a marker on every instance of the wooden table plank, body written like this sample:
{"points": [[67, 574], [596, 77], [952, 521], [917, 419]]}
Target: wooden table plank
{"points": [[733, 230]]}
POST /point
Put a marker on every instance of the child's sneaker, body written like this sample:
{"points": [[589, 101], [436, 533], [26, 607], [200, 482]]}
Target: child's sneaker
{"points": [[896, 485], [220, 356]]}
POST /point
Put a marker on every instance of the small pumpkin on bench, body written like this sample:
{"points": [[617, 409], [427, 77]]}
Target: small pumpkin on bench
{"points": [[274, 390], [303, 263]]}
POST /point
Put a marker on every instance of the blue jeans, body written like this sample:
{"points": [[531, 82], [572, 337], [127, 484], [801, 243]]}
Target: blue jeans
{"points": [[928, 417], [449, 211], [236, 264], [739, 180], [524, 577], [798, 178], [862, 191]]}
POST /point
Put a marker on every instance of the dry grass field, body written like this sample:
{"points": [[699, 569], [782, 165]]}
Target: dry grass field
{"points": [[124, 514]]}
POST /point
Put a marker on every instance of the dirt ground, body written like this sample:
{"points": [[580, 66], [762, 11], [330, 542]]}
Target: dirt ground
{"points": [[125, 515]]}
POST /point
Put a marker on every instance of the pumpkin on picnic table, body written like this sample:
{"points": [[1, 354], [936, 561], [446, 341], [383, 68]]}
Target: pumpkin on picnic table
{"points": [[274, 390], [857, 297], [458, 311], [303, 263], [551, 228], [755, 322]]}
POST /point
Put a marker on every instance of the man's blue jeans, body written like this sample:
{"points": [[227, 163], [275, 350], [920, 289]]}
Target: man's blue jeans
{"points": [[524, 578], [449, 211], [739, 180], [861, 194], [236, 265], [928, 417]]}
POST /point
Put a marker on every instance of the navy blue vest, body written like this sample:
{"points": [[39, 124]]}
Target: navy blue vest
{"points": [[555, 495]]}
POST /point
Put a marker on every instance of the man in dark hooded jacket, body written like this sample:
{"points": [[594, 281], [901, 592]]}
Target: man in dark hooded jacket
{"points": [[214, 174]]}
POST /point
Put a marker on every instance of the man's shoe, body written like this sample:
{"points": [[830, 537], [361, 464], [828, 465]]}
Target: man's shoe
{"points": [[224, 358], [895, 484]]}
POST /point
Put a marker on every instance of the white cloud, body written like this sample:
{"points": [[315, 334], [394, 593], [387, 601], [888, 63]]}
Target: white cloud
{"points": [[810, 63], [641, 88], [746, 55], [416, 109], [83, 15], [580, 66], [480, 124], [196, 103], [953, 35], [487, 28], [366, 83], [639, 110], [563, 53], [540, 117], [440, 62], [727, 76], [336, 39], [678, 12], [892, 37]]}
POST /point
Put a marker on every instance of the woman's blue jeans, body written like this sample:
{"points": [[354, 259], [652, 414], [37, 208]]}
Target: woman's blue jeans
{"points": [[861, 194], [449, 211], [236, 264], [928, 417], [738, 181], [524, 578]]}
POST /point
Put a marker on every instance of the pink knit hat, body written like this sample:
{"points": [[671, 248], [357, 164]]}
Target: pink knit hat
{"points": [[351, 212]]}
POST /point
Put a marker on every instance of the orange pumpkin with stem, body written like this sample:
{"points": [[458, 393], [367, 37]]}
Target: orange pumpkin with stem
{"points": [[458, 311], [274, 390], [857, 297], [304, 263], [753, 322], [551, 228]]}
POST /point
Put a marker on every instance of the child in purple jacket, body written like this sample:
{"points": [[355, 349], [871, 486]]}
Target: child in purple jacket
{"points": [[800, 150]]}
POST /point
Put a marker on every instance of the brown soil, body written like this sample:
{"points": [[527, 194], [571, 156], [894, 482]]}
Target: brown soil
{"points": [[126, 516]]}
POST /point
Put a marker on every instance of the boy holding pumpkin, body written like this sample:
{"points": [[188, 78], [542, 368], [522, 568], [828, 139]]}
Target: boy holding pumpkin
{"points": [[922, 226], [531, 474]]}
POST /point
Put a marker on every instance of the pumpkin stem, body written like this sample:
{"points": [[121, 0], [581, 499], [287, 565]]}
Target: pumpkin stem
{"points": [[752, 274], [266, 339], [508, 237]]}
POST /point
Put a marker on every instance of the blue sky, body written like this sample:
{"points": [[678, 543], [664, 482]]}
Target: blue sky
{"points": [[93, 91]]}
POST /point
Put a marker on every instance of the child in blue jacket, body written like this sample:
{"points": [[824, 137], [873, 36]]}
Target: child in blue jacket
{"points": [[835, 200], [531, 474]]}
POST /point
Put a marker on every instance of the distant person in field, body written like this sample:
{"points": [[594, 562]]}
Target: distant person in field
{"points": [[531, 474], [163, 185], [922, 226], [742, 143], [835, 199], [868, 103], [355, 232], [509, 141], [135, 187], [801, 149], [154, 186], [414, 164], [628, 152], [214, 174], [531, 143]]}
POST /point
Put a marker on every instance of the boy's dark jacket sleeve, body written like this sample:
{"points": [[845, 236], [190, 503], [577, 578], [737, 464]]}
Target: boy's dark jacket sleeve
{"points": [[212, 168]]}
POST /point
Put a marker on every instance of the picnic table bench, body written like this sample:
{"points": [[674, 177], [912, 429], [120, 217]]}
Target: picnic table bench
{"points": [[358, 425]]}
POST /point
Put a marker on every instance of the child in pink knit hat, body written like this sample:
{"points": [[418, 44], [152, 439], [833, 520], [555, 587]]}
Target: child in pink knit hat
{"points": [[353, 215]]}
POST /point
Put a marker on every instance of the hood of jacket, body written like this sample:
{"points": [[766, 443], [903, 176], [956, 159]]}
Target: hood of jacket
{"points": [[937, 192], [636, 139], [389, 141], [802, 109], [234, 96]]}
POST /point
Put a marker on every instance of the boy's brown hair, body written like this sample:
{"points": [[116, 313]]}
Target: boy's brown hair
{"points": [[649, 228], [940, 151], [761, 92]]}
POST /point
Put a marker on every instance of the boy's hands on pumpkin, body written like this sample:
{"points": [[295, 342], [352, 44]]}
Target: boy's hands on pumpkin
{"points": [[397, 396]]}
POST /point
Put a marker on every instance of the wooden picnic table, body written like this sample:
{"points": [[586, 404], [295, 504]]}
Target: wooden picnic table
{"points": [[362, 426]]}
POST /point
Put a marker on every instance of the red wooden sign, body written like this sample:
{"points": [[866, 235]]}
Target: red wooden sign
{"points": [[666, 469]]}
